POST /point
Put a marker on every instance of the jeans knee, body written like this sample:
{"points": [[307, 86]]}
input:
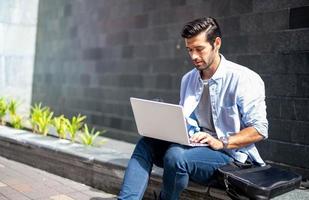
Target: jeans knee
{"points": [[174, 159], [142, 150]]}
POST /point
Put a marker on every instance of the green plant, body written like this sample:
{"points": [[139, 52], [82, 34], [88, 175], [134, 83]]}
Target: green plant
{"points": [[16, 121], [60, 125], [44, 120], [12, 107], [87, 137], [36, 113], [74, 125], [3, 110]]}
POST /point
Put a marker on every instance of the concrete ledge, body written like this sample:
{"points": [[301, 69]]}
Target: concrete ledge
{"points": [[101, 168]]}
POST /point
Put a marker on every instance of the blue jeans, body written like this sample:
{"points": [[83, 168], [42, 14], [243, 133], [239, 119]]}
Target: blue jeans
{"points": [[180, 163]]}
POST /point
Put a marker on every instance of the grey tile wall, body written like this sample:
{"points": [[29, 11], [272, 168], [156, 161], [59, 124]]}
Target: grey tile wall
{"points": [[92, 56]]}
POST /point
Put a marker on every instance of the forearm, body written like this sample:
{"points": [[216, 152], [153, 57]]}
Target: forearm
{"points": [[243, 138]]}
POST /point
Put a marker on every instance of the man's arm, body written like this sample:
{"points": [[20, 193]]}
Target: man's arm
{"points": [[243, 138]]}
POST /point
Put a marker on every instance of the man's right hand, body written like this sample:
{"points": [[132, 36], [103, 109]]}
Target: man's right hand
{"points": [[203, 137]]}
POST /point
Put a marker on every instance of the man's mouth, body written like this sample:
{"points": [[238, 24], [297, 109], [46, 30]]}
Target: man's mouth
{"points": [[198, 63]]}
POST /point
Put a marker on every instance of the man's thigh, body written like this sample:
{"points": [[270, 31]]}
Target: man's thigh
{"points": [[201, 162]]}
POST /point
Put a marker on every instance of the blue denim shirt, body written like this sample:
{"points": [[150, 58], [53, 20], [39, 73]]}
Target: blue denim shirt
{"points": [[237, 97]]}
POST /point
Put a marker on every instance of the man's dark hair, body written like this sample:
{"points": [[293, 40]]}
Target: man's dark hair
{"points": [[197, 26]]}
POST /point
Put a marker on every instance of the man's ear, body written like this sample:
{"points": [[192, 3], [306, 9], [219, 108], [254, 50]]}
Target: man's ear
{"points": [[217, 43]]}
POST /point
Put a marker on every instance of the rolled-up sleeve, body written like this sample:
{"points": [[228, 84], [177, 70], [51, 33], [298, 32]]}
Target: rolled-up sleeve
{"points": [[251, 102]]}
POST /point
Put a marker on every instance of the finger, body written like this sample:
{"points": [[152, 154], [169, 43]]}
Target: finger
{"points": [[205, 140], [202, 136], [194, 139], [195, 136]]}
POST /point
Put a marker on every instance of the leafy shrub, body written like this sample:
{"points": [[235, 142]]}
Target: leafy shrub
{"points": [[42, 117], [43, 121], [16, 121], [12, 107], [74, 125], [87, 137], [3, 109], [60, 125], [36, 113]]}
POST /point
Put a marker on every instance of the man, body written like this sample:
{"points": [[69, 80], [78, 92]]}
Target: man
{"points": [[224, 104]]}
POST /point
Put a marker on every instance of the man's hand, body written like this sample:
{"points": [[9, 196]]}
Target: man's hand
{"points": [[203, 137]]}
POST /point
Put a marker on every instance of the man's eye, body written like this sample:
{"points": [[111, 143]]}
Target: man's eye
{"points": [[200, 49]]}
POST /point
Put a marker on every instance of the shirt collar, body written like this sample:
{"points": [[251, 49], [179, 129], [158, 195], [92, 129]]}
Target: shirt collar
{"points": [[220, 70]]}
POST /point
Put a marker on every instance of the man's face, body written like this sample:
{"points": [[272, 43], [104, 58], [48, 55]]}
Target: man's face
{"points": [[201, 51]]}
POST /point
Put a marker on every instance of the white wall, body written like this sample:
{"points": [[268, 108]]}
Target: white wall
{"points": [[18, 20]]}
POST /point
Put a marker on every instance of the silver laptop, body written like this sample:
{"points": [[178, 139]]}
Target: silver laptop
{"points": [[162, 121]]}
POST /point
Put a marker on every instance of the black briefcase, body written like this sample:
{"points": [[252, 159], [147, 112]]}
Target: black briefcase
{"points": [[257, 182]]}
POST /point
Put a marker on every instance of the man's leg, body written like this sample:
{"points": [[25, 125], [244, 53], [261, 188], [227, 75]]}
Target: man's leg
{"points": [[182, 163], [147, 152]]}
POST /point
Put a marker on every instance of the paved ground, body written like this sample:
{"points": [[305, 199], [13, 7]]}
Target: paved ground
{"points": [[22, 182]]}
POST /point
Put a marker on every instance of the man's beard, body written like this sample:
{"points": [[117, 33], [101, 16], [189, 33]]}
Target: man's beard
{"points": [[204, 67]]}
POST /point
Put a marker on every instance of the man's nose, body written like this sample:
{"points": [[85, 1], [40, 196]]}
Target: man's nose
{"points": [[194, 55]]}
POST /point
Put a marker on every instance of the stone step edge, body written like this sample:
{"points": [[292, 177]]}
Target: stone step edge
{"points": [[101, 168]]}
